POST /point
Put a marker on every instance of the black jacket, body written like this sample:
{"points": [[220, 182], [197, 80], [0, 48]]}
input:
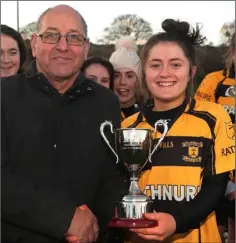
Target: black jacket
{"points": [[53, 156]]}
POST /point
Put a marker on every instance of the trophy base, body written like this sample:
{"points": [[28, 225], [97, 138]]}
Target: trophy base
{"points": [[131, 223]]}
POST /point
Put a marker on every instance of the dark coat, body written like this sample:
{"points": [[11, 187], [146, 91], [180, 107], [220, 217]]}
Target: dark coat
{"points": [[53, 156]]}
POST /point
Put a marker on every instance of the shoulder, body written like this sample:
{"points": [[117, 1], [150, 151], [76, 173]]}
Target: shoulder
{"points": [[209, 107], [216, 76], [100, 90], [211, 112]]}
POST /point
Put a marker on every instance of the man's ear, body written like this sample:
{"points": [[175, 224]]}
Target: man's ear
{"points": [[33, 43], [86, 49]]}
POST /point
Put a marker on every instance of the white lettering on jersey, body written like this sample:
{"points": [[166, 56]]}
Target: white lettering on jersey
{"points": [[172, 192]]}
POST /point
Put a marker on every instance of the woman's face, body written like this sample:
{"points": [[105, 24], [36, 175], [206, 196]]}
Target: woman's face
{"points": [[167, 71], [98, 73], [125, 85], [10, 56]]}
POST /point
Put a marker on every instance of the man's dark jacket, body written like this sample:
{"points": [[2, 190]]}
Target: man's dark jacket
{"points": [[53, 156]]}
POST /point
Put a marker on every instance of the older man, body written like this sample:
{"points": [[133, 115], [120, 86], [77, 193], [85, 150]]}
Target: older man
{"points": [[59, 179]]}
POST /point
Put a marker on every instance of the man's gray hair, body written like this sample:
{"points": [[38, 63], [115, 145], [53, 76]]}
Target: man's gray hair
{"points": [[38, 26]]}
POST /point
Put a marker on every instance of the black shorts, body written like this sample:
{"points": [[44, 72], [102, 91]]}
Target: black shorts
{"points": [[224, 210]]}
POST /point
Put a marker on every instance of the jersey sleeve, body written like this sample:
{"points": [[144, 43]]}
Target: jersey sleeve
{"points": [[224, 147], [207, 88]]}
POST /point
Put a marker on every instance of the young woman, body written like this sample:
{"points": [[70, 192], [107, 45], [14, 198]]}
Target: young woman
{"points": [[189, 171], [126, 64], [219, 87], [13, 52], [100, 70]]}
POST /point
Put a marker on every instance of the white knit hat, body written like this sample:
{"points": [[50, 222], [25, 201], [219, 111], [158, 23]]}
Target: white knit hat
{"points": [[125, 58]]}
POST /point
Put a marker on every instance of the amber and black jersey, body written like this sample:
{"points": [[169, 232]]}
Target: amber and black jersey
{"points": [[199, 143], [129, 111], [219, 87]]}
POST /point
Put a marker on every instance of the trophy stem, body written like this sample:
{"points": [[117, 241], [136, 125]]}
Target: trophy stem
{"points": [[133, 175]]}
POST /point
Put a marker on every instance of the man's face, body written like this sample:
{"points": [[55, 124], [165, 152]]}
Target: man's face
{"points": [[60, 61]]}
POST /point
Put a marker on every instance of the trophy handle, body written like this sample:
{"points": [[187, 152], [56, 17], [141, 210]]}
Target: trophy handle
{"points": [[163, 123], [103, 125]]}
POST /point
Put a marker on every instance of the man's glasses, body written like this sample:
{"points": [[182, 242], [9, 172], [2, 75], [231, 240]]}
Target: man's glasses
{"points": [[54, 38]]}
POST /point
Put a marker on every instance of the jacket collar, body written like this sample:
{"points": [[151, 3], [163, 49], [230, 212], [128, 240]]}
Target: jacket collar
{"points": [[37, 79]]}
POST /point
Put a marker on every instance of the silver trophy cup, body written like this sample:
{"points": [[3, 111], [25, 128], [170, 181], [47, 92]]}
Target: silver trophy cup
{"points": [[133, 149]]}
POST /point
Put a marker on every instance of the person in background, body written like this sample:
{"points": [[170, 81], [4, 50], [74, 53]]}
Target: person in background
{"points": [[189, 172], [29, 56], [13, 52], [126, 63], [24, 35], [99, 70], [220, 87], [59, 181]]}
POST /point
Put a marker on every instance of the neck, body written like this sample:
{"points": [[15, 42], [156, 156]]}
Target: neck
{"points": [[160, 105], [127, 104], [60, 84]]}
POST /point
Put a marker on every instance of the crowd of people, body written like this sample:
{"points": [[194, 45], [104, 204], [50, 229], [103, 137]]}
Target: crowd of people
{"points": [[60, 182]]}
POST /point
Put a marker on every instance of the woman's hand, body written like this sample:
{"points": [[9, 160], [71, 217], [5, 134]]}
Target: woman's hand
{"points": [[166, 227]]}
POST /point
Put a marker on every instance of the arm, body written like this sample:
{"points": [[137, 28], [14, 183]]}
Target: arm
{"points": [[190, 214], [174, 217], [28, 206], [221, 161]]}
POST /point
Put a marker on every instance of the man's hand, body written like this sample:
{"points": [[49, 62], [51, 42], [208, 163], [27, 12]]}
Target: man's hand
{"points": [[83, 227], [166, 227]]}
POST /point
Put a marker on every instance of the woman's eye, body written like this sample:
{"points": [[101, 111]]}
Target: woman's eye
{"points": [[13, 53], [105, 81], [155, 65], [176, 65], [130, 76]]}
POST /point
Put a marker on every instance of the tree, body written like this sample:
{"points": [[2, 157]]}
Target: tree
{"points": [[127, 25], [29, 29], [227, 31]]}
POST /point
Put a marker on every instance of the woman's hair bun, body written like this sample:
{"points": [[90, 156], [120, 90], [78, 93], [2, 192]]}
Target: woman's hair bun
{"points": [[175, 27]]}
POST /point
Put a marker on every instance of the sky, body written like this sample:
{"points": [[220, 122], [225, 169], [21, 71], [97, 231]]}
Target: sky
{"points": [[100, 14]]}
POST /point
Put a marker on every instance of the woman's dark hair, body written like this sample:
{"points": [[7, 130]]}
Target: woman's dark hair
{"points": [[105, 63], [29, 55], [179, 33], [8, 31]]}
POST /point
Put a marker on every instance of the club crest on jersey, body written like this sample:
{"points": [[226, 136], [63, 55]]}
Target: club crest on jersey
{"points": [[230, 130], [193, 151], [230, 92]]}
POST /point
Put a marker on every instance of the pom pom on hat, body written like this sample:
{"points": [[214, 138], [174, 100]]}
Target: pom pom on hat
{"points": [[125, 55], [126, 42]]}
